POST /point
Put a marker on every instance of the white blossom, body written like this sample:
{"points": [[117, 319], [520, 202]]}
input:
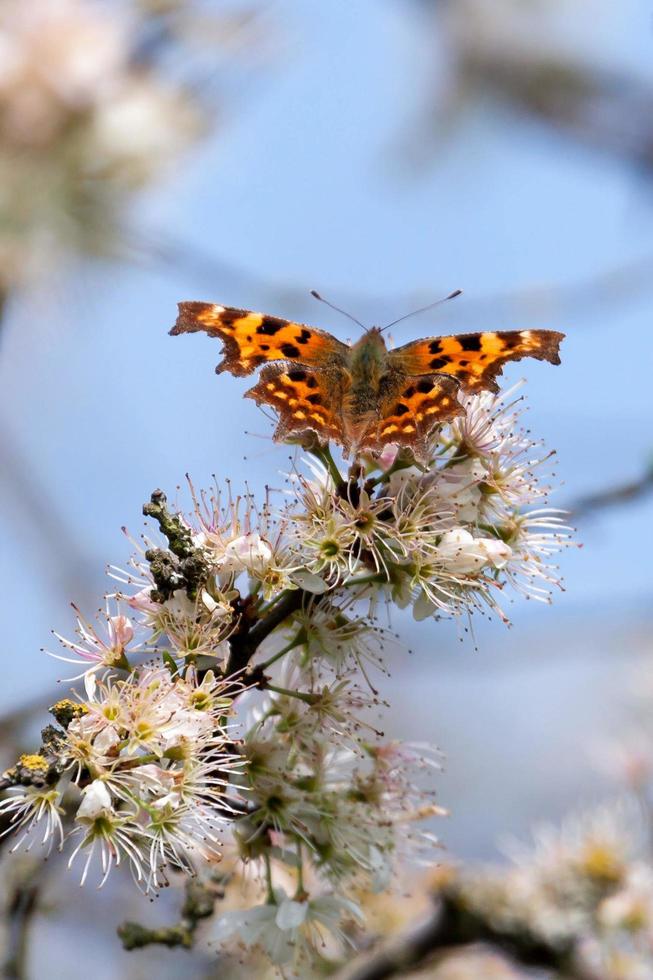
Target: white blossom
{"points": [[288, 928], [284, 596]]}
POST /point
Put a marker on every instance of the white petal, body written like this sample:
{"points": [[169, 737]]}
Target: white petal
{"points": [[96, 801], [90, 684], [423, 608], [309, 582], [291, 914]]}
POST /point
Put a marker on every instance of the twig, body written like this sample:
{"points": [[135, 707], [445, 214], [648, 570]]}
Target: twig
{"points": [[612, 287], [609, 111], [245, 644], [199, 904], [613, 496], [189, 570]]}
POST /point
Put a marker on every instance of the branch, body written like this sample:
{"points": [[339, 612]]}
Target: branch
{"points": [[609, 111], [613, 496], [454, 924], [199, 904], [246, 641], [23, 903], [187, 568], [612, 287]]}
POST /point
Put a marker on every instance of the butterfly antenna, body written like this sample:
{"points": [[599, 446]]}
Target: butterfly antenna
{"points": [[316, 295], [423, 309]]}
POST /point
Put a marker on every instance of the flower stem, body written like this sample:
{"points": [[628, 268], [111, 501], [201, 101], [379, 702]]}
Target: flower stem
{"points": [[323, 453], [139, 760], [300, 893], [365, 580], [269, 898], [289, 646], [300, 695]]}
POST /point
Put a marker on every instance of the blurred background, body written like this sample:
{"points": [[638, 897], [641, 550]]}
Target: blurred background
{"points": [[385, 153]]}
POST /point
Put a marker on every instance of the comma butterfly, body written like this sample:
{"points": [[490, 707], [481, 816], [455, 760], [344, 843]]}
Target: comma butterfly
{"points": [[362, 396]]}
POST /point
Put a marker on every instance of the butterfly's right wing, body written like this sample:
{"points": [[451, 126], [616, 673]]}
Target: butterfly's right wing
{"points": [[409, 413]]}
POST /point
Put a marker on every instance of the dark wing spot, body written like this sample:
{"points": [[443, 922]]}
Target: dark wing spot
{"points": [[229, 317], [470, 343], [435, 347], [298, 375], [249, 338], [314, 399], [310, 381], [463, 362], [409, 392], [439, 362], [424, 387], [269, 328], [262, 346], [400, 409], [303, 337], [289, 350]]}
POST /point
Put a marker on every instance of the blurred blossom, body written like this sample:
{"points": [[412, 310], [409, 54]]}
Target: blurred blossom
{"points": [[83, 123], [627, 755], [58, 60], [474, 965], [627, 758], [291, 932], [587, 885]]}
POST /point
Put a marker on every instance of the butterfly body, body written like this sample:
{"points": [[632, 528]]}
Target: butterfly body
{"points": [[367, 365], [362, 396]]}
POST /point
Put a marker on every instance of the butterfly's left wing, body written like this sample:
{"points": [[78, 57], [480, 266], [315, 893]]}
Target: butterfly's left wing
{"points": [[410, 412], [251, 339], [475, 359], [302, 400]]}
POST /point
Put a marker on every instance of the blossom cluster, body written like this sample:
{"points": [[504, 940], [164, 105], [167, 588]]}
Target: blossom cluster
{"points": [[445, 540], [147, 759], [229, 710], [331, 813]]}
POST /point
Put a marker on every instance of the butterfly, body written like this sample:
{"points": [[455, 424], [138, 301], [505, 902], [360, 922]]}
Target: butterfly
{"points": [[362, 396]]}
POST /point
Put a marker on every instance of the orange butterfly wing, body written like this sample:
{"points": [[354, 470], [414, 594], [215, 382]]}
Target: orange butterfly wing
{"points": [[301, 399], [251, 339], [409, 416], [475, 359]]}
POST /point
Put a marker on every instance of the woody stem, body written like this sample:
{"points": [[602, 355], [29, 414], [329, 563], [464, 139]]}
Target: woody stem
{"points": [[246, 640]]}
